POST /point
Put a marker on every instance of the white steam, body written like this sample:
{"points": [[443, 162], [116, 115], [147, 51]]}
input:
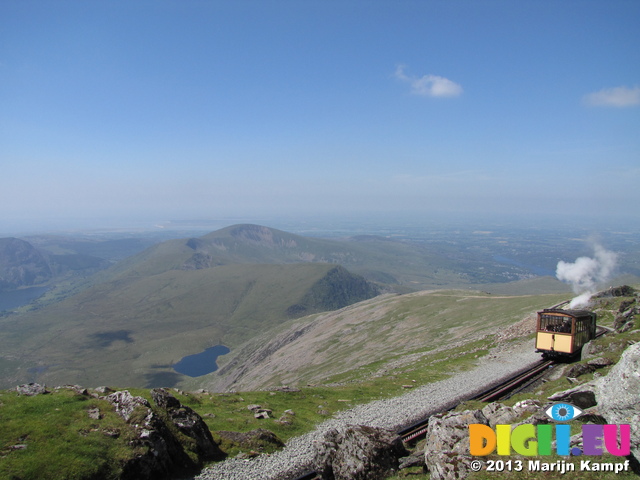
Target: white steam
{"points": [[585, 274]]}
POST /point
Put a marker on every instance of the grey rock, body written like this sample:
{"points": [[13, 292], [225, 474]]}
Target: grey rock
{"points": [[582, 396], [103, 390], [618, 392], [600, 362], [499, 414], [31, 389], [591, 349], [414, 460], [94, 413], [447, 447], [574, 371], [163, 453], [125, 403], [358, 453], [189, 423]]}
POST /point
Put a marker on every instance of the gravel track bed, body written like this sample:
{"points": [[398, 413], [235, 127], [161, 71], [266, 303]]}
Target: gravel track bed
{"points": [[393, 413]]}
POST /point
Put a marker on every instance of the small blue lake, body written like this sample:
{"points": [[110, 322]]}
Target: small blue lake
{"points": [[201, 363], [17, 298]]}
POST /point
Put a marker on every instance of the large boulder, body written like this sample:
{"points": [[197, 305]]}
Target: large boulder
{"points": [[158, 436], [617, 395], [189, 423], [447, 447], [31, 389], [582, 396], [358, 453]]}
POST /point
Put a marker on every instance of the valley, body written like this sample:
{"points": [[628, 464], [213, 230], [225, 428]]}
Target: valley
{"points": [[291, 308]]}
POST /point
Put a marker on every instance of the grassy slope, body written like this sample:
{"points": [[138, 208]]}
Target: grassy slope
{"points": [[130, 330], [62, 442], [146, 312], [348, 343]]}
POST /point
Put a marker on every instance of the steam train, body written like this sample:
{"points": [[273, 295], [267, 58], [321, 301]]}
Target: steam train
{"points": [[561, 334]]}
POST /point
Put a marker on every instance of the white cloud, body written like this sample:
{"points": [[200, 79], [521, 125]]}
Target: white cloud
{"points": [[429, 85], [614, 97]]}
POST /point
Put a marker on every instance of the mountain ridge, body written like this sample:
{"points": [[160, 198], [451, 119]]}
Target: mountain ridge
{"points": [[144, 314]]}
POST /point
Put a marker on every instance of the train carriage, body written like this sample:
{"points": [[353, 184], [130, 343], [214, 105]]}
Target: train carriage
{"points": [[562, 333]]}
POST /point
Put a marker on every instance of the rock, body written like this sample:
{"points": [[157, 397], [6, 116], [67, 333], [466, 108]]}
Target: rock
{"points": [[625, 305], [499, 414], [163, 455], [125, 403], [582, 396], [31, 389], [189, 423], [600, 362], [253, 407], [527, 406], [591, 349], [164, 399], [617, 395], [447, 447], [574, 371], [261, 415], [414, 460], [621, 291], [163, 449], [103, 390], [625, 320], [286, 388], [94, 413], [259, 440], [358, 453]]}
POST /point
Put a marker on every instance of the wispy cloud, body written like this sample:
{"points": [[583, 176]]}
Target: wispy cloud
{"points": [[614, 97], [429, 85]]}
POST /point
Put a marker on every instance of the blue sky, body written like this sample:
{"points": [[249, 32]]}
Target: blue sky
{"points": [[158, 110]]}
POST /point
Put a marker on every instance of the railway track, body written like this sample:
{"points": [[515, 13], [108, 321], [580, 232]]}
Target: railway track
{"points": [[497, 392], [500, 391]]}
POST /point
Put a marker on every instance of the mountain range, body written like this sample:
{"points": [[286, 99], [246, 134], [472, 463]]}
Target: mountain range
{"points": [[131, 323]]}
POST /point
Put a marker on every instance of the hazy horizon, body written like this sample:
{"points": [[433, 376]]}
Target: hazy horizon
{"points": [[122, 114]]}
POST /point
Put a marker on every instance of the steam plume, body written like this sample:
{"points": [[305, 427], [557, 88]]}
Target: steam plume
{"points": [[585, 274]]}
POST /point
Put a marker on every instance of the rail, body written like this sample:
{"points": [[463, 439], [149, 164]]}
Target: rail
{"points": [[496, 392]]}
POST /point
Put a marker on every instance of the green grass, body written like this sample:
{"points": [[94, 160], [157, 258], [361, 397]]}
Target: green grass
{"points": [[62, 442], [51, 436]]}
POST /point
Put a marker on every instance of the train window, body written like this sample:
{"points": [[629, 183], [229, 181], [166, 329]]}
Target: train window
{"points": [[555, 323]]}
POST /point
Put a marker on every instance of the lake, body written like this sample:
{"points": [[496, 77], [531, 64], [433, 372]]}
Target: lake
{"points": [[17, 298], [201, 363]]}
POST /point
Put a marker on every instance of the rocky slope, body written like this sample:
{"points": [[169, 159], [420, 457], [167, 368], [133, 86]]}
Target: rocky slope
{"points": [[388, 328], [608, 395], [22, 265]]}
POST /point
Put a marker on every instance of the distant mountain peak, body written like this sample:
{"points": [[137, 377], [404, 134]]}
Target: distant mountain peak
{"points": [[21, 264]]}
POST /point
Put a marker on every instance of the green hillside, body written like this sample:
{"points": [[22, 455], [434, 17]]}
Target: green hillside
{"points": [[130, 323], [130, 330], [400, 266]]}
